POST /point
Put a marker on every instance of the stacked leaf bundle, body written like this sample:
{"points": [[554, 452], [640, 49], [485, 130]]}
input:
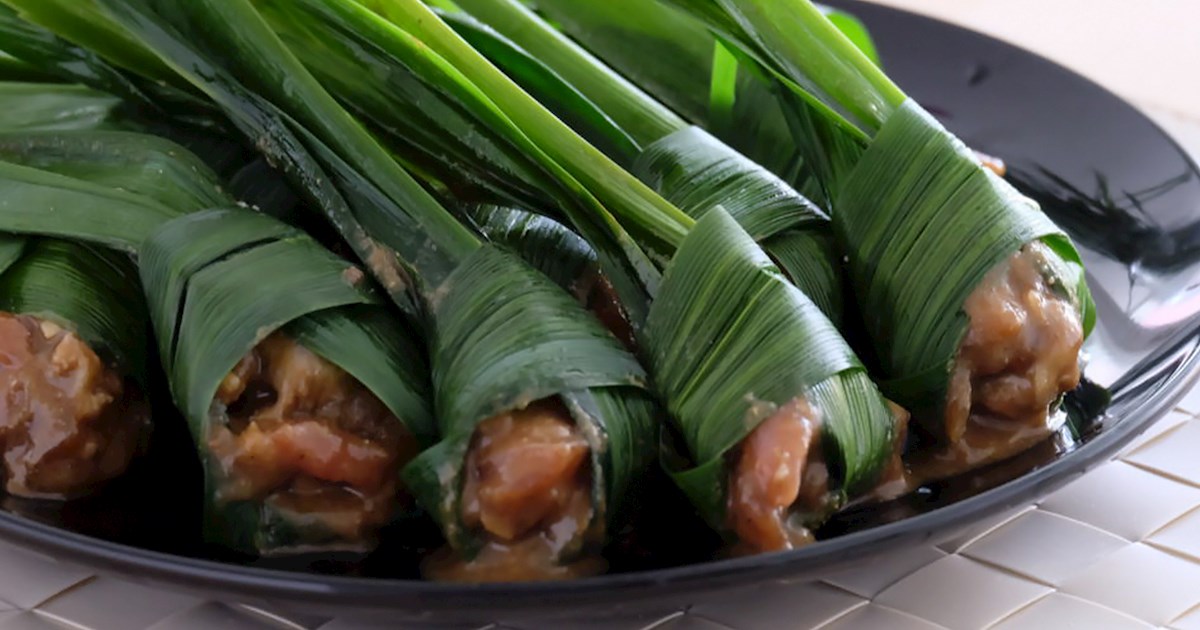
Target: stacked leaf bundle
{"points": [[857, 445], [303, 394], [543, 420], [982, 354], [978, 336], [542, 378]]}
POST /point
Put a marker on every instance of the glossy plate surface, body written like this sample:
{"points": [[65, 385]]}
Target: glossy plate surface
{"points": [[1122, 188]]}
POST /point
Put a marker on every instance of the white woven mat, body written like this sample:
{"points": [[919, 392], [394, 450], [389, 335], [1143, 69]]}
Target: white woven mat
{"points": [[1120, 548]]}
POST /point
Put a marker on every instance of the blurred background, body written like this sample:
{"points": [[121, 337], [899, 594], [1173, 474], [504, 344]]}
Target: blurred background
{"points": [[1146, 51]]}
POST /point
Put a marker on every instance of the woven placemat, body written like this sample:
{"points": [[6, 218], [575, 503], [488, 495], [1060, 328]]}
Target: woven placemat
{"points": [[1119, 548]]}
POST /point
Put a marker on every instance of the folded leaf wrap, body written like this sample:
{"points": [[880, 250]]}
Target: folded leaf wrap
{"points": [[505, 337], [221, 281], [922, 222], [217, 282], [697, 172], [731, 341]]}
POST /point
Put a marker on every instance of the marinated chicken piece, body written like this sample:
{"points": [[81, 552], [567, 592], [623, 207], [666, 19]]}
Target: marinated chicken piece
{"points": [[527, 489], [310, 440], [524, 470], [778, 469], [68, 422], [1020, 354]]}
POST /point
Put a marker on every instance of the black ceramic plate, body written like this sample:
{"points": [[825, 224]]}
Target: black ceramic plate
{"points": [[1115, 181]]}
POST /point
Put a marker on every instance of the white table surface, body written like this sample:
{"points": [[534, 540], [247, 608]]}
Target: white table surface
{"points": [[1147, 51], [1118, 549]]}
